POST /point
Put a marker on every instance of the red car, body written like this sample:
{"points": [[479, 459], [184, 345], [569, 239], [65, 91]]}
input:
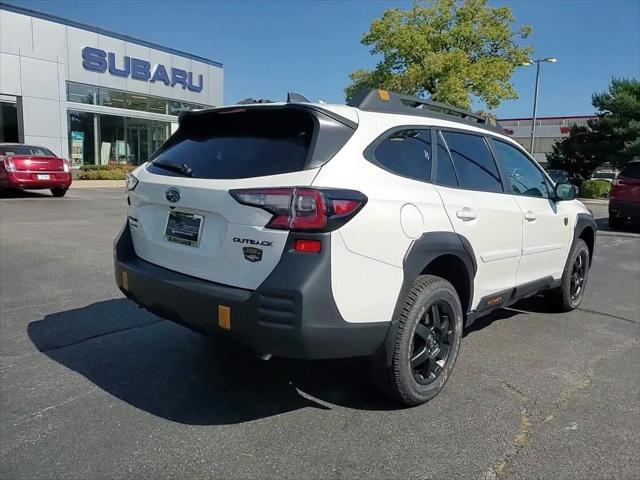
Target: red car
{"points": [[27, 167], [624, 198]]}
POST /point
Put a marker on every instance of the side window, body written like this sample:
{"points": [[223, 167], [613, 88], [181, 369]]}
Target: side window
{"points": [[473, 162], [407, 153], [445, 174], [525, 178]]}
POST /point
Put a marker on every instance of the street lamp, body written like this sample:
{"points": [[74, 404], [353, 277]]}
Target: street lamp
{"points": [[535, 96]]}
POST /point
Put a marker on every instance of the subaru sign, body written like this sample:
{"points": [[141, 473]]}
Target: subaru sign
{"points": [[97, 60]]}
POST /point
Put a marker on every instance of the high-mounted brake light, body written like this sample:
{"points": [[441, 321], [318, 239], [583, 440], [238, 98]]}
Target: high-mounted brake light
{"points": [[302, 208]]}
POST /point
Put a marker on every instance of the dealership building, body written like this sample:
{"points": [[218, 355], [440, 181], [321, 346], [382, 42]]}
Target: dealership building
{"points": [[548, 131], [93, 96]]}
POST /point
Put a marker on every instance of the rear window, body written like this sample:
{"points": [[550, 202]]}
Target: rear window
{"points": [[10, 150], [473, 162], [407, 153], [631, 170], [241, 143]]}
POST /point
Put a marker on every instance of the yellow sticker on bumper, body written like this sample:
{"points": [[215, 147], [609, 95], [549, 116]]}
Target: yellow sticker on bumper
{"points": [[224, 317]]}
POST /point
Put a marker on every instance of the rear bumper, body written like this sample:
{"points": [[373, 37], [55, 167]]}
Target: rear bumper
{"points": [[29, 180], [292, 314], [625, 209]]}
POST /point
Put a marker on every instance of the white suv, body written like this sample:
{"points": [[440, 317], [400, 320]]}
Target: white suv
{"points": [[379, 228]]}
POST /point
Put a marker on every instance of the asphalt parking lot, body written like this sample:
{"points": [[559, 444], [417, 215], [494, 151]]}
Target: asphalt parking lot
{"points": [[92, 387]]}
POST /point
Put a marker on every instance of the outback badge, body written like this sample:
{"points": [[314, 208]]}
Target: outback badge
{"points": [[252, 254]]}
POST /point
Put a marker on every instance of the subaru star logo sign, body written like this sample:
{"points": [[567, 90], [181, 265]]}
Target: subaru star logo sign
{"points": [[172, 195]]}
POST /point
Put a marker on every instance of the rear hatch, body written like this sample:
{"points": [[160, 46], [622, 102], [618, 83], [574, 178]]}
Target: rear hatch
{"points": [[27, 158], [32, 163], [627, 186], [182, 215]]}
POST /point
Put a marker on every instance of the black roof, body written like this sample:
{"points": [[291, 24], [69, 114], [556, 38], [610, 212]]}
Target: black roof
{"points": [[375, 100]]}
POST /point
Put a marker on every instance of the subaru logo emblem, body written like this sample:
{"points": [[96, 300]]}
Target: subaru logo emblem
{"points": [[172, 195]]}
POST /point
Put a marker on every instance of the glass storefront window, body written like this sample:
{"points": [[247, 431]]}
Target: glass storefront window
{"points": [[157, 105], [81, 93], [137, 102], [9, 122], [81, 138], [113, 146], [176, 108], [108, 97], [97, 139], [112, 98]]}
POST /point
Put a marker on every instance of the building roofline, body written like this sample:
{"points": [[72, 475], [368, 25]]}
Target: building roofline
{"points": [[102, 31], [547, 118]]}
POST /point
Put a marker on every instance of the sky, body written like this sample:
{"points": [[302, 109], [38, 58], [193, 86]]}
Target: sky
{"points": [[271, 47]]}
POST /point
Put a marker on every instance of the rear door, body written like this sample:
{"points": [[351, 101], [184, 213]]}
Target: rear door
{"points": [[471, 188], [27, 158], [183, 217]]}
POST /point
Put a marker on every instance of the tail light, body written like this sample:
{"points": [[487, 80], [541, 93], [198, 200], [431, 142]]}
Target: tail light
{"points": [[9, 166], [65, 165], [301, 208]]}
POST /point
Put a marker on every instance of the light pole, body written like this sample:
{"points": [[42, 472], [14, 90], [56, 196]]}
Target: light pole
{"points": [[535, 95]]}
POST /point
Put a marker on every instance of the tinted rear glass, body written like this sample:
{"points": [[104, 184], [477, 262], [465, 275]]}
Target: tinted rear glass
{"points": [[407, 153], [10, 150], [240, 144], [631, 170], [473, 162]]}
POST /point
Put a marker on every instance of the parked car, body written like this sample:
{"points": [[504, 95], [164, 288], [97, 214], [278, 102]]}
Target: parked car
{"points": [[378, 229], [562, 176], [608, 175], [624, 197], [29, 167]]}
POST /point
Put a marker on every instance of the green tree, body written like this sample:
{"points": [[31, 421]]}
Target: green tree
{"points": [[613, 137], [447, 49]]}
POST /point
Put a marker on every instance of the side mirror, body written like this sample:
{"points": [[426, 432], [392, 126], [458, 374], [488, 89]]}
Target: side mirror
{"points": [[565, 191]]}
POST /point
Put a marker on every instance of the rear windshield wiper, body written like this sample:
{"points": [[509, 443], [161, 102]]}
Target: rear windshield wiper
{"points": [[182, 169]]}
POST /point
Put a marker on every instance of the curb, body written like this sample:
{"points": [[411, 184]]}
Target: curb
{"points": [[608, 233], [97, 184], [594, 201]]}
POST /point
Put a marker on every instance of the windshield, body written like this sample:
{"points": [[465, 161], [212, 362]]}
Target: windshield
{"points": [[608, 175], [631, 170], [557, 175], [10, 150]]}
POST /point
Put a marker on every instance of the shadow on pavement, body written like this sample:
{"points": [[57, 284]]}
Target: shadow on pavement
{"points": [[13, 193], [168, 371]]}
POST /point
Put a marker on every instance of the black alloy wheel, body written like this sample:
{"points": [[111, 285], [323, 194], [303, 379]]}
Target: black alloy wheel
{"points": [[578, 275], [432, 342]]}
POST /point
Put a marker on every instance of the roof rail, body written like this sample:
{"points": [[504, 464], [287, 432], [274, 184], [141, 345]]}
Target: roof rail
{"points": [[376, 100]]}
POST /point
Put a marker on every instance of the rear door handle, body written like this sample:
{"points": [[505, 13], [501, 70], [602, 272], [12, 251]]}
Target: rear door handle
{"points": [[466, 214], [530, 216]]}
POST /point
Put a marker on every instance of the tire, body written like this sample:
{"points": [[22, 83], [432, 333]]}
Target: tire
{"points": [[417, 334], [58, 192], [615, 222], [569, 294]]}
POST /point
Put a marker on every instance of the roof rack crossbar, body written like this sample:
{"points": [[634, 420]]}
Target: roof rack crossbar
{"points": [[391, 102]]}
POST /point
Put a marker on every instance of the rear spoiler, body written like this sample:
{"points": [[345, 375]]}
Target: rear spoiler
{"points": [[267, 106]]}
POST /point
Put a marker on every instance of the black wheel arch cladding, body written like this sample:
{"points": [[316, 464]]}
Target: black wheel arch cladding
{"points": [[586, 228], [423, 252], [430, 248]]}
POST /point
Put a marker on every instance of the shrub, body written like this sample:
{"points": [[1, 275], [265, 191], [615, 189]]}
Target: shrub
{"points": [[595, 189], [104, 172]]}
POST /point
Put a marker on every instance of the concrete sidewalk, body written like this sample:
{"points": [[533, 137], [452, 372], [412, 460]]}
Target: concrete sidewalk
{"points": [[595, 201], [98, 184]]}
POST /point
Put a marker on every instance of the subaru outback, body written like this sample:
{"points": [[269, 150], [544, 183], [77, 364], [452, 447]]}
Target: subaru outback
{"points": [[379, 228]]}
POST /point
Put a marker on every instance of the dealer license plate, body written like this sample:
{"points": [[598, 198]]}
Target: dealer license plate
{"points": [[184, 228]]}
